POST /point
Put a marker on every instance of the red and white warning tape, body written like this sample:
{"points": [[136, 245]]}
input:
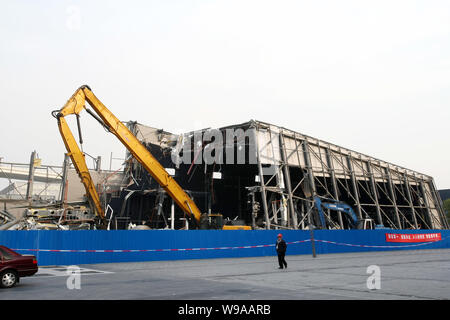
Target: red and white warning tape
{"points": [[224, 248], [159, 250]]}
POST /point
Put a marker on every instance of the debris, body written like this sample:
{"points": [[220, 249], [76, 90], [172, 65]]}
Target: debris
{"points": [[70, 218]]}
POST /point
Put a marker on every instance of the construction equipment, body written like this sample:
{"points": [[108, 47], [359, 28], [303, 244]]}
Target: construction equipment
{"points": [[74, 106], [355, 223]]}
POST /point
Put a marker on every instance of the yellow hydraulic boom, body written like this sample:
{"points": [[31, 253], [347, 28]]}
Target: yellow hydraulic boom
{"points": [[74, 106]]}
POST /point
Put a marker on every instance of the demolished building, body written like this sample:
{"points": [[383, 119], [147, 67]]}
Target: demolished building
{"points": [[51, 197], [275, 187]]}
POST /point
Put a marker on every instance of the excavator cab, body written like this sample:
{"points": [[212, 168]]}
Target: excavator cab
{"points": [[365, 224], [333, 205]]}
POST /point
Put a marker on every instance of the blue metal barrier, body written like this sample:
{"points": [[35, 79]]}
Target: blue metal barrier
{"points": [[85, 246]]}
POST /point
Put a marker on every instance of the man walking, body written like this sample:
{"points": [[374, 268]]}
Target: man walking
{"points": [[281, 250]]}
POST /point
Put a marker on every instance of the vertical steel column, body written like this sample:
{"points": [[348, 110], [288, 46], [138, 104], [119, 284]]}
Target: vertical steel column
{"points": [[333, 182], [29, 194], [253, 210], [408, 194], [375, 193], [172, 215], [427, 205], [98, 164], [64, 182], [287, 179], [308, 167], [422, 203], [437, 199], [354, 185], [279, 178], [297, 153], [261, 179], [392, 194]]}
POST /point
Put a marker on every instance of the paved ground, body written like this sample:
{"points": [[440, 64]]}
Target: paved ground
{"points": [[421, 274]]}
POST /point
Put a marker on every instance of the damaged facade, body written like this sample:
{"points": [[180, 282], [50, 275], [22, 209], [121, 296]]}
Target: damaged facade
{"points": [[276, 187], [255, 174]]}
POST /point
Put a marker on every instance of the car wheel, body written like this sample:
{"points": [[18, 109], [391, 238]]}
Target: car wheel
{"points": [[8, 279]]}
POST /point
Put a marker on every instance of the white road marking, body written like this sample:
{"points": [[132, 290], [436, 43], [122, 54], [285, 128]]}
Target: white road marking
{"points": [[61, 271]]}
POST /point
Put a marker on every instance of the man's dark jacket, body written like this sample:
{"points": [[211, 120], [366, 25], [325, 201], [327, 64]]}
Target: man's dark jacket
{"points": [[281, 246]]}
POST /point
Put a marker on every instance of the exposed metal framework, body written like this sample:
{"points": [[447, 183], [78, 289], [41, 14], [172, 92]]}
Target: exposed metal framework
{"points": [[293, 168], [393, 196], [32, 173]]}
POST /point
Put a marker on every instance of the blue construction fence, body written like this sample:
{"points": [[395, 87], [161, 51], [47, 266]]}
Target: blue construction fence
{"points": [[53, 247]]}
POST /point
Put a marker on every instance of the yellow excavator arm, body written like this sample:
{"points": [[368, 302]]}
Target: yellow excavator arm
{"points": [[74, 106]]}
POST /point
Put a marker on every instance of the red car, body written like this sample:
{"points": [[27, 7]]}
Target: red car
{"points": [[13, 266]]}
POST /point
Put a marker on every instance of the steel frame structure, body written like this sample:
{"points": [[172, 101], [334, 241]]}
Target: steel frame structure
{"points": [[293, 168], [393, 196]]}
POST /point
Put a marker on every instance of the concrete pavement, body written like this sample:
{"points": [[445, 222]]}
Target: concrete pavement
{"points": [[416, 274]]}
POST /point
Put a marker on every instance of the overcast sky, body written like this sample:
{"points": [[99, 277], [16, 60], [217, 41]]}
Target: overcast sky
{"points": [[370, 76]]}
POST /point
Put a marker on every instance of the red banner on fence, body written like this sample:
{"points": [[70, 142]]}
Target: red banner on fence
{"points": [[413, 237]]}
